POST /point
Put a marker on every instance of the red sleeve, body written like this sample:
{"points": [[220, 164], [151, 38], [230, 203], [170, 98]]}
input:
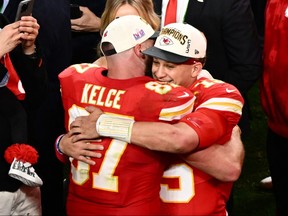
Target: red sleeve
{"points": [[217, 109], [210, 125]]}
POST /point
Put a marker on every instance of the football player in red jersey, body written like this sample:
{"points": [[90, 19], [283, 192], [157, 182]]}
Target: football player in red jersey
{"points": [[179, 54], [127, 179]]}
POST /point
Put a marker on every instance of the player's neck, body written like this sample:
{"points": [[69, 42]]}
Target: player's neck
{"points": [[127, 71]]}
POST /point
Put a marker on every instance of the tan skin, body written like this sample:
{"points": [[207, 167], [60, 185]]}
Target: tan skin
{"points": [[22, 32], [180, 74], [88, 22]]}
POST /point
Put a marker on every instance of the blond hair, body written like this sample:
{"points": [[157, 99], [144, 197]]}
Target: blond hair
{"points": [[145, 8]]}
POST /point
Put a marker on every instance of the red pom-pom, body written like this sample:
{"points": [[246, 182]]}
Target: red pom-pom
{"points": [[23, 152]]}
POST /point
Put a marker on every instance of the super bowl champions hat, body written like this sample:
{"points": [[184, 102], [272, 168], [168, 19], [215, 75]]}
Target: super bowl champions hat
{"points": [[125, 32], [177, 43]]}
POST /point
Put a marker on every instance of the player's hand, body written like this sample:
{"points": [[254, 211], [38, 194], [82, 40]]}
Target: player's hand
{"points": [[88, 22], [84, 127], [83, 150], [29, 28]]}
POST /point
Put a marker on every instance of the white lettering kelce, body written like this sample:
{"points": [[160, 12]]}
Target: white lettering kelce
{"points": [[186, 191], [93, 94]]}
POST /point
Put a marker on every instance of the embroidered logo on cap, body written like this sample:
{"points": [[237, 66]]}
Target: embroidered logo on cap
{"points": [[139, 34], [166, 41]]}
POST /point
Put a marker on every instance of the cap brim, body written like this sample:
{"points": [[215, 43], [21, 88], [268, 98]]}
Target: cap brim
{"points": [[155, 35], [165, 55]]}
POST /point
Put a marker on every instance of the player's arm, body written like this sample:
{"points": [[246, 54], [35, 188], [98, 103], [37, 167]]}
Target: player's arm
{"points": [[223, 162], [176, 138], [182, 137]]}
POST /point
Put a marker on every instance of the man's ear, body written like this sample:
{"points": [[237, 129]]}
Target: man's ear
{"points": [[196, 69], [138, 51]]}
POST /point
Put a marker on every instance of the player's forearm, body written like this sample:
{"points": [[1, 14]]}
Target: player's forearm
{"points": [[177, 138], [224, 162]]}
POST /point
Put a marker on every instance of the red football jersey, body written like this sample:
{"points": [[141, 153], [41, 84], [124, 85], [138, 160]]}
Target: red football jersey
{"points": [[186, 190], [126, 180]]}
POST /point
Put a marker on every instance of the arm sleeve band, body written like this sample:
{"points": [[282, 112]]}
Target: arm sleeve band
{"points": [[115, 127]]}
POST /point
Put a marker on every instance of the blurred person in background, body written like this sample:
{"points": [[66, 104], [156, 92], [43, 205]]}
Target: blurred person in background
{"points": [[23, 85], [273, 91], [85, 26], [258, 8], [55, 42]]}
